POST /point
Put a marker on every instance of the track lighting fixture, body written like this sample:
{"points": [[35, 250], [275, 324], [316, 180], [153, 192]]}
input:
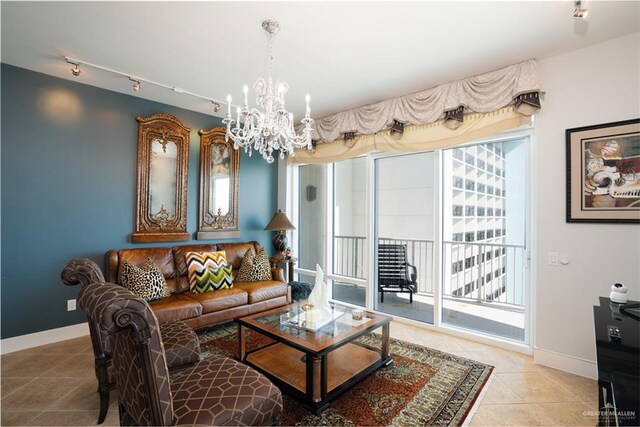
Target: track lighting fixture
{"points": [[137, 81], [580, 11], [136, 84], [76, 67]]}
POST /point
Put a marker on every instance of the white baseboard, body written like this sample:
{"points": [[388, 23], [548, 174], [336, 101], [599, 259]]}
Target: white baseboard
{"points": [[564, 362], [22, 342]]}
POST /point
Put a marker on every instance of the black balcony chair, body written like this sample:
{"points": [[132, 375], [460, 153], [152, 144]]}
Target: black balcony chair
{"points": [[393, 271]]}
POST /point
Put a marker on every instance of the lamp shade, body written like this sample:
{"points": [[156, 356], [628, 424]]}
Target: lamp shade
{"points": [[279, 222]]}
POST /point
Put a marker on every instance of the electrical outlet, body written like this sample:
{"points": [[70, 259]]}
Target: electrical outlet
{"points": [[71, 305], [553, 258]]}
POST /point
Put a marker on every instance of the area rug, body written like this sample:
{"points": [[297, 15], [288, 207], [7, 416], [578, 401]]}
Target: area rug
{"points": [[422, 387]]}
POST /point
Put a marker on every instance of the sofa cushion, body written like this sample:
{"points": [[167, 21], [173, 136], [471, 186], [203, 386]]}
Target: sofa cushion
{"points": [[176, 307], [137, 256], [262, 291], [147, 281], [180, 252], [208, 271], [221, 299]]}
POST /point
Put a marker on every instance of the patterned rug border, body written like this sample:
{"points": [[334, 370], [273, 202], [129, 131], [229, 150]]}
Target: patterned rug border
{"points": [[448, 413], [478, 400]]}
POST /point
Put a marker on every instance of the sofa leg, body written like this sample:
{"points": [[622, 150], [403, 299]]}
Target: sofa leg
{"points": [[410, 297], [103, 391]]}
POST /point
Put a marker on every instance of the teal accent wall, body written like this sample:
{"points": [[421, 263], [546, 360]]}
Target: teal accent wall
{"points": [[69, 155]]}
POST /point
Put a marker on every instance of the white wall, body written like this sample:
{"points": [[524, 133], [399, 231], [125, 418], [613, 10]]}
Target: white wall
{"points": [[598, 84]]}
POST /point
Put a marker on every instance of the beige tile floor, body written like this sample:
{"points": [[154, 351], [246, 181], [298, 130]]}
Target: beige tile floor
{"points": [[55, 385]]}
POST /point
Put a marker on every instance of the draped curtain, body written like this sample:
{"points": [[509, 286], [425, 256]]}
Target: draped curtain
{"points": [[447, 115]]}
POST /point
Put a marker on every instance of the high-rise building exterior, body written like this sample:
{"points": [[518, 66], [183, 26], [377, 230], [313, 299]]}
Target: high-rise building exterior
{"points": [[474, 222]]}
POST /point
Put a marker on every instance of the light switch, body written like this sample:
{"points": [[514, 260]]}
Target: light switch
{"points": [[553, 258]]}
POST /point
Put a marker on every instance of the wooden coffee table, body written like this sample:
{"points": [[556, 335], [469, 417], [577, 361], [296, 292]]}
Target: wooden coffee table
{"points": [[314, 367]]}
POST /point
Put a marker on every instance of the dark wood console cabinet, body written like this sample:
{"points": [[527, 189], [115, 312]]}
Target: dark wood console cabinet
{"points": [[618, 357]]}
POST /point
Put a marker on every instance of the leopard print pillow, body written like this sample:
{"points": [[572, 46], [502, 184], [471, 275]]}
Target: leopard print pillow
{"points": [[244, 274], [147, 282], [256, 271]]}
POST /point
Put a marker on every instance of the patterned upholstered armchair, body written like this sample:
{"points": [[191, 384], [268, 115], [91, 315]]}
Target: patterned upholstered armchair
{"points": [[215, 391], [181, 344]]}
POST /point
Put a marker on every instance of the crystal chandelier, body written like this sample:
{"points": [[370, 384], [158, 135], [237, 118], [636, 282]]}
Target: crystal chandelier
{"points": [[269, 128]]}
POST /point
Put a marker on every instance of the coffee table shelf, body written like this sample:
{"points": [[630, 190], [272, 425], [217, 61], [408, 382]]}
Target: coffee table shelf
{"points": [[288, 364]]}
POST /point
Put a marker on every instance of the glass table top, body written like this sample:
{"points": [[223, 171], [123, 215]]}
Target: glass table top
{"points": [[290, 324]]}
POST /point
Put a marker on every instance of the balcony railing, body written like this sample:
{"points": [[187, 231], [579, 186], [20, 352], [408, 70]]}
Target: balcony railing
{"points": [[484, 272], [473, 271], [350, 256]]}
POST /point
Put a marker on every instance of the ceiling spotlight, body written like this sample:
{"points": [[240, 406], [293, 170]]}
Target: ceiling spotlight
{"points": [[580, 11], [136, 84], [76, 66], [216, 106]]}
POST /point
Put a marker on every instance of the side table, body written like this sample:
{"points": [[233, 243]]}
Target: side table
{"points": [[291, 262]]}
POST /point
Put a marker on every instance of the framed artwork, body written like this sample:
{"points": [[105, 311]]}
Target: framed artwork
{"points": [[603, 173]]}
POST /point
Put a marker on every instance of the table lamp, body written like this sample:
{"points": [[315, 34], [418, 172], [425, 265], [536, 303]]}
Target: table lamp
{"points": [[280, 223]]}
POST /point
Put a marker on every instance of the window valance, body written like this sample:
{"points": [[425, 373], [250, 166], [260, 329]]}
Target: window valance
{"points": [[466, 104], [424, 137]]}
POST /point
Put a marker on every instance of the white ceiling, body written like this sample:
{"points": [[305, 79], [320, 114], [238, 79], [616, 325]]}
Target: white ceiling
{"points": [[345, 54]]}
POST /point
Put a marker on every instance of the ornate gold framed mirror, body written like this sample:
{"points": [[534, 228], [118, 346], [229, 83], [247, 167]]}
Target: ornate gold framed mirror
{"points": [[219, 186], [163, 160]]}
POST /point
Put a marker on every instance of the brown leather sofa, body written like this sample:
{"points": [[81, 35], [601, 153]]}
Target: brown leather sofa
{"points": [[199, 310]]}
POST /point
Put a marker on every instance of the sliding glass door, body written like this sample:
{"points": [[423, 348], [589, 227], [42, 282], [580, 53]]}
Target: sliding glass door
{"points": [[405, 233], [350, 259], [484, 238], [435, 237], [311, 216]]}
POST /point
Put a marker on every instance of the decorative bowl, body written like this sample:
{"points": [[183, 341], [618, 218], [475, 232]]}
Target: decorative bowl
{"points": [[357, 314]]}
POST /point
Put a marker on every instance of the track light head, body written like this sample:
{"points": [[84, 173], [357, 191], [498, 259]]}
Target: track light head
{"points": [[580, 11], [136, 84], [76, 66]]}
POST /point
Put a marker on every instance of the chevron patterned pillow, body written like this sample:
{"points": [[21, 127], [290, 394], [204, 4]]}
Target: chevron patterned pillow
{"points": [[208, 271]]}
